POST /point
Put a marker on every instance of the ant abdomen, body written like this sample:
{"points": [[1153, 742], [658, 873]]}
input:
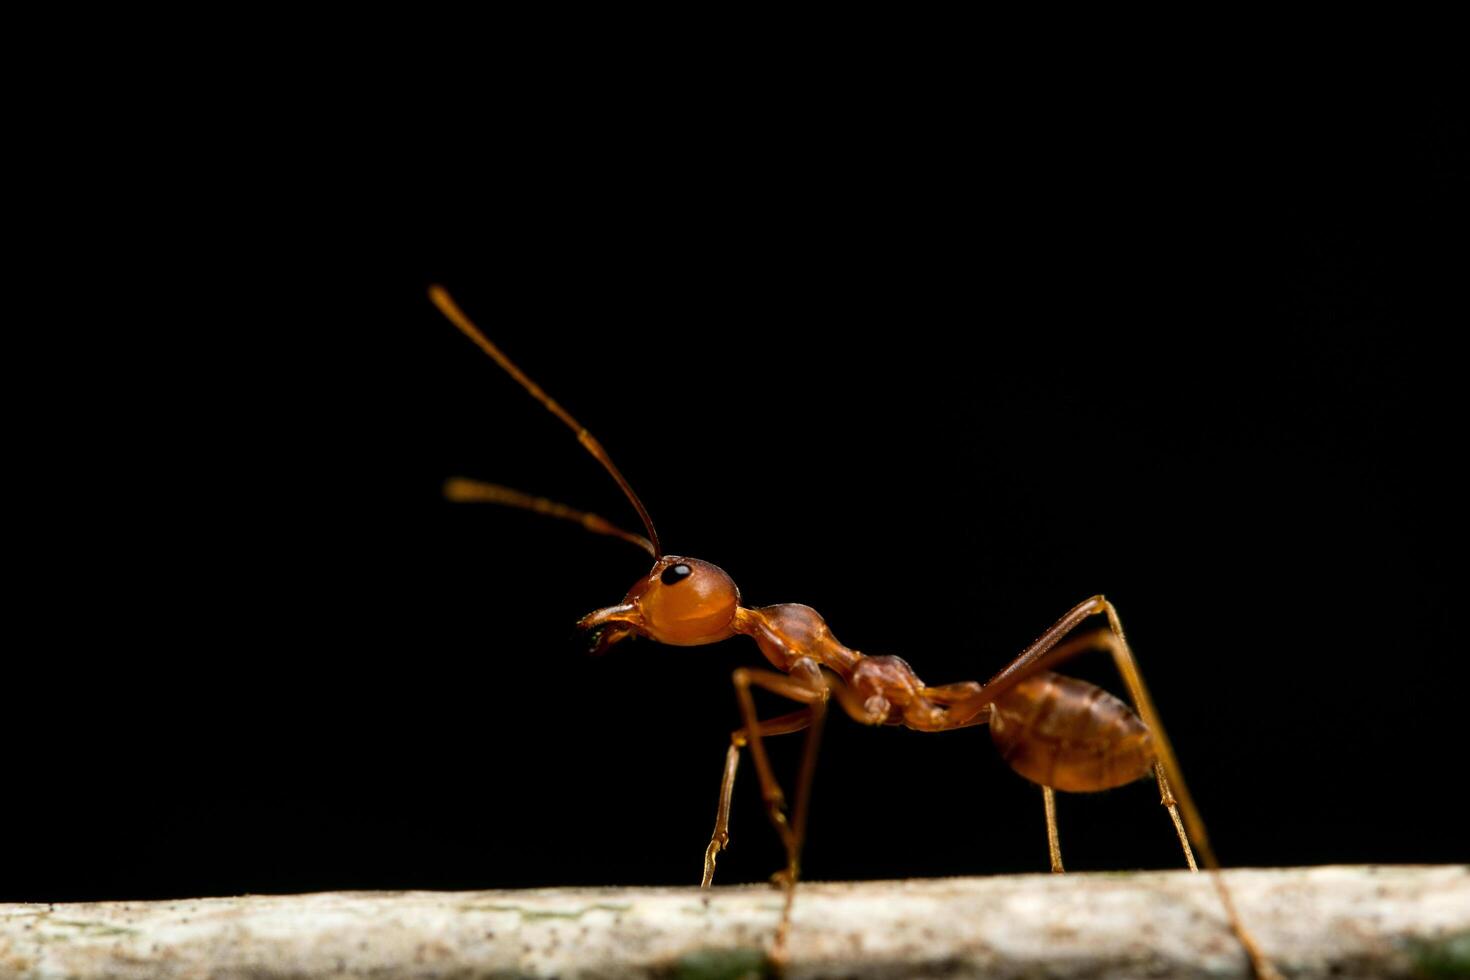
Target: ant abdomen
{"points": [[1070, 735]]}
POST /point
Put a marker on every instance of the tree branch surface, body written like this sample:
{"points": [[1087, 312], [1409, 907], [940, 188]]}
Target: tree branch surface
{"points": [[1360, 921]]}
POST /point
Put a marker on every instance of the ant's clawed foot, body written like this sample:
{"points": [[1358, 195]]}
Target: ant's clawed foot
{"points": [[778, 958], [717, 844], [785, 878]]}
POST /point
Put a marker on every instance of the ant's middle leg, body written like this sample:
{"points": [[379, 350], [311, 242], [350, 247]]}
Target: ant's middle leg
{"points": [[1053, 843], [1166, 797], [720, 839]]}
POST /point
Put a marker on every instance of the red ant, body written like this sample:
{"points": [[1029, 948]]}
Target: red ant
{"points": [[1058, 732]]}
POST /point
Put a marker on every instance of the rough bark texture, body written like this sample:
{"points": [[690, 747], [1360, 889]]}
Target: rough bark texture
{"points": [[1332, 921]]}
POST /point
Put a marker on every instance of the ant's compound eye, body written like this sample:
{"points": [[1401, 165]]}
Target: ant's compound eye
{"points": [[675, 574]]}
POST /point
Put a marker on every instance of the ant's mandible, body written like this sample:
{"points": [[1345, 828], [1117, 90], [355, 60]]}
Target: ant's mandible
{"points": [[1058, 732]]}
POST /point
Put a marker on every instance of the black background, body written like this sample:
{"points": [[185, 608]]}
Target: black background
{"points": [[940, 371]]}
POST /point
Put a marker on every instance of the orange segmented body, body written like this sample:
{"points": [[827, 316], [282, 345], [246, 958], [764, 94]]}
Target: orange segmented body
{"points": [[1070, 735], [1062, 733]]}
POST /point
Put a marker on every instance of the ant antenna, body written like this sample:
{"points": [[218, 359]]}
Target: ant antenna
{"points": [[463, 491], [589, 442]]}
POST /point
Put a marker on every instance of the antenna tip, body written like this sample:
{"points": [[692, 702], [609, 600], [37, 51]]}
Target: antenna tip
{"points": [[459, 490]]}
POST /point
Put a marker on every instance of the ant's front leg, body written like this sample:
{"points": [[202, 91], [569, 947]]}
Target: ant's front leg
{"points": [[805, 684], [720, 839]]}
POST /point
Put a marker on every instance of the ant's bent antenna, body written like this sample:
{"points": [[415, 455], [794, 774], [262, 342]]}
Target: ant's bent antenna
{"points": [[463, 491], [589, 442]]}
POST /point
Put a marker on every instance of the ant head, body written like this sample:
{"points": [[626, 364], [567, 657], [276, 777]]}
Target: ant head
{"points": [[683, 602]]}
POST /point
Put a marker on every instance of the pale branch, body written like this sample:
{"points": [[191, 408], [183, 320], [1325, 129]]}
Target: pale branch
{"points": [[1313, 922]]}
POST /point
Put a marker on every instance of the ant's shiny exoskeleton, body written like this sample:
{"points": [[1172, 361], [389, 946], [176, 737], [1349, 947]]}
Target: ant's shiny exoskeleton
{"points": [[1059, 732]]}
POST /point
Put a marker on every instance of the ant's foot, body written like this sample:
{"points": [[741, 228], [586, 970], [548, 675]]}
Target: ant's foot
{"points": [[784, 878], [716, 845]]}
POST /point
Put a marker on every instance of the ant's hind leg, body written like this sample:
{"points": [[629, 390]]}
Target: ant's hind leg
{"points": [[1044, 654], [1171, 785], [1173, 792], [720, 839]]}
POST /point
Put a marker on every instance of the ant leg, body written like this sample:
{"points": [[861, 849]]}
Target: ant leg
{"points": [[1045, 653], [1053, 844], [720, 839], [970, 703], [1105, 639], [1171, 782], [1173, 791], [1110, 638], [1170, 777], [1167, 798], [1099, 639], [813, 693], [787, 687]]}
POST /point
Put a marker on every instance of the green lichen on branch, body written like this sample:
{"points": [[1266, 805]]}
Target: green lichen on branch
{"points": [[723, 964], [1442, 958]]}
